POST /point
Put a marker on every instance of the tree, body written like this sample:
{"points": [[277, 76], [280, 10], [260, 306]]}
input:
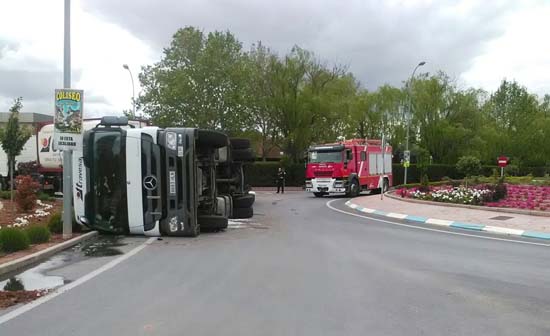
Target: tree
{"points": [[13, 137], [259, 95], [199, 82]]}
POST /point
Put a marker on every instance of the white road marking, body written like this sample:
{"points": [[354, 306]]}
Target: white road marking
{"points": [[497, 229], [439, 222], [430, 229], [23, 309], [396, 215]]}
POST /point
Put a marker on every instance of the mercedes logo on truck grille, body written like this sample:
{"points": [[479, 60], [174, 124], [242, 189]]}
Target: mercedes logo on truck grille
{"points": [[150, 182]]}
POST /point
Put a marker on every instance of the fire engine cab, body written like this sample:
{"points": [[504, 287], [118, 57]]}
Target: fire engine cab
{"points": [[349, 166]]}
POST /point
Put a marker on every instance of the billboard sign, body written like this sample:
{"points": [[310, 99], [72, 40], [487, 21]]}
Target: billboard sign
{"points": [[68, 118]]}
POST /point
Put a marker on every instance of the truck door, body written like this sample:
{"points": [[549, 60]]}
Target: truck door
{"points": [[350, 160]]}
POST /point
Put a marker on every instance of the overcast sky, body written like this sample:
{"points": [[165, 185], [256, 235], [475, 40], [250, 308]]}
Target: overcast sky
{"points": [[477, 42]]}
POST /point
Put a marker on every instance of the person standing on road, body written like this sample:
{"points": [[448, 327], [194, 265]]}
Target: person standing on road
{"points": [[281, 180]]}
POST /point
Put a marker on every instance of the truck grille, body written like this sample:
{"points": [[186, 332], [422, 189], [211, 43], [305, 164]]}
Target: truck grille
{"points": [[321, 173]]}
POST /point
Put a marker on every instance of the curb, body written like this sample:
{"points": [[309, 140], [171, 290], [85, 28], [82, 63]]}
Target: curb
{"points": [[25, 261], [452, 224], [473, 207]]}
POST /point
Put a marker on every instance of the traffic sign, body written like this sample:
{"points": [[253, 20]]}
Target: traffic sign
{"points": [[406, 164], [502, 161]]}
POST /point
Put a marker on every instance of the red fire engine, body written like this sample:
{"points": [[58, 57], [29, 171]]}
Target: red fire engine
{"points": [[349, 166]]}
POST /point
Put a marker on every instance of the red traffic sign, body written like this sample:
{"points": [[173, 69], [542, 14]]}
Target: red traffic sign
{"points": [[502, 161]]}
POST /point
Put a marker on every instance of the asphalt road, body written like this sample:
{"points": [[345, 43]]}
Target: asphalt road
{"points": [[301, 268]]}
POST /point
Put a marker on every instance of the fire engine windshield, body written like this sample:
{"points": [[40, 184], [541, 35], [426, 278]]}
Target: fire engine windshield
{"points": [[108, 172], [324, 156]]}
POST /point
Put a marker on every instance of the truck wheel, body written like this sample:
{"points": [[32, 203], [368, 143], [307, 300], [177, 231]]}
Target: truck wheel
{"points": [[239, 143], [353, 190], [243, 154], [194, 231], [211, 138], [212, 222], [318, 194], [243, 212], [245, 201]]}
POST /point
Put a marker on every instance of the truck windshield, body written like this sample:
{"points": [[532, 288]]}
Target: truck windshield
{"points": [[108, 173], [318, 157]]}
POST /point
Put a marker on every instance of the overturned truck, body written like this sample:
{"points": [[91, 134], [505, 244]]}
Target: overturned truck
{"points": [[154, 181]]}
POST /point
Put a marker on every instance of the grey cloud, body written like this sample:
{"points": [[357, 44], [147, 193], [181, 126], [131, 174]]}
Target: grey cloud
{"points": [[381, 43], [7, 46], [31, 85]]}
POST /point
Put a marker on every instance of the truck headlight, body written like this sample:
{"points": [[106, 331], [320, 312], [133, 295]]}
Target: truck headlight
{"points": [[338, 184], [171, 140], [309, 184]]}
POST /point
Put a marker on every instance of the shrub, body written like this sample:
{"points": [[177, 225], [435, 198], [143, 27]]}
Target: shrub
{"points": [[55, 225], [13, 240], [25, 196], [424, 184], [5, 194], [44, 197], [14, 285], [511, 170], [469, 166], [500, 191], [38, 234]]}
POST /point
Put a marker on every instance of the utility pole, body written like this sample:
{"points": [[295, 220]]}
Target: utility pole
{"points": [[409, 116], [67, 153]]}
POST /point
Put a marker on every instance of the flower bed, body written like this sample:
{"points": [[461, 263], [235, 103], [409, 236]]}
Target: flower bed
{"points": [[40, 214], [526, 197], [460, 195]]}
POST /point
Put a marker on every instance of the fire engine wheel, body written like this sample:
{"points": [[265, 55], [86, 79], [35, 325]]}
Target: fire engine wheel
{"points": [[243, 212], [353, 189], [212, 223], [239, 143], [245, 201], [385, 186], [242, 155], [211, 138], [318, 194]]}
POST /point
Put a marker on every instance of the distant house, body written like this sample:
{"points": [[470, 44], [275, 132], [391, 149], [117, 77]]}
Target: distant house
{"points": [[26, 118]]}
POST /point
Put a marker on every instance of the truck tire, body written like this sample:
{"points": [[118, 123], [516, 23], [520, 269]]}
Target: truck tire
{"points": [[209, 138], [239, 143], [192, 232], [212, 223], [353, 190], [318, 194], [243, 212], [385, 186], [228, 206], [244, 155], [245, 201]]}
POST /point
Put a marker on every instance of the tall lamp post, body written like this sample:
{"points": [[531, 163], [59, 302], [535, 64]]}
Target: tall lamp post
{"points": [[409, 115], [125, 66]]}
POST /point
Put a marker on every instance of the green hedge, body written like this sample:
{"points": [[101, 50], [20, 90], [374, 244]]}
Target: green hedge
{"points": [[263, 174]]}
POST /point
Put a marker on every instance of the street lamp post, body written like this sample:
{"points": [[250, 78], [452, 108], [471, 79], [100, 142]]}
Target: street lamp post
{"points": [[409, 115], [125, 66]]}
